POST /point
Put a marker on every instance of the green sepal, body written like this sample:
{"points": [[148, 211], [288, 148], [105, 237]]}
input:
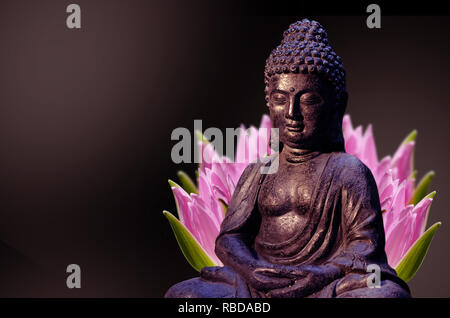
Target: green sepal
{"points": [[411, 137], [192, 250], [175, 185], [187, 183], [429, 196], [422, 188], [224, 206], [413, 259], [201, 137]]}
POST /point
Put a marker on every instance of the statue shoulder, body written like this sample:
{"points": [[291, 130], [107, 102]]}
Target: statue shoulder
{"points": [[243, 199], [351, 169], [255, 166], [249, 179], [249, 170]]}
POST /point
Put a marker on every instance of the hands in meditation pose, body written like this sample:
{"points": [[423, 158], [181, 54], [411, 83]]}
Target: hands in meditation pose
{"points": [[312, 228]]}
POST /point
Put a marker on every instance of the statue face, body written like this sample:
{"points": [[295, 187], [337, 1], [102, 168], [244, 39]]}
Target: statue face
{"points": [[301, 107]]}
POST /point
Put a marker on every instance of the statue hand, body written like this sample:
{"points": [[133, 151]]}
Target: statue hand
{"points": [[307, 279], [218, 274], [289, 272], [303, 278], [266, 276]]}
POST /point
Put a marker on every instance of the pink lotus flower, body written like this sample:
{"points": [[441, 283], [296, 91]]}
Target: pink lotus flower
{"points": [[404, 206], [404, 222], [202, 211]]}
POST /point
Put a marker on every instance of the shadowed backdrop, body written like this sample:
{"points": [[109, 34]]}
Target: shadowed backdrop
{"points": [[86, 118]]}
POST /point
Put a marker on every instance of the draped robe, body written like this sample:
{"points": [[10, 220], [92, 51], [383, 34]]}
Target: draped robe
{"points": [[344, 230]]}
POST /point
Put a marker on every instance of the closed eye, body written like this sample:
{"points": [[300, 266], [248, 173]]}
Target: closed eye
{"points": [[278, 98], [311, 99]]}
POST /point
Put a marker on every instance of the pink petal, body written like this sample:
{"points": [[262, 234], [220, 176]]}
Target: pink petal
{"points": [[253, 145], [182, 200], [358, 132], [347, 127], [421, 210], [351, 145], [265, 122], [387, 192], [203, 182], [409, 188], [242, 146], [385, 203], [263, 142], [264, 135], [381, 169], [369, 151], [385, 180], [393, 209], [399, 198], [402, 160], [206, 230], [207, 211], [208, 154], [399, 237], [221, 190]]}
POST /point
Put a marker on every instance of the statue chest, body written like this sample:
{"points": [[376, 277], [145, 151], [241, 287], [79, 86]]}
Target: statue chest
{"points": [[284, 201], [289, 190]]}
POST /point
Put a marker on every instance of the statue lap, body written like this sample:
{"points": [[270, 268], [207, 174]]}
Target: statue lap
{"points": [[236, 288]]}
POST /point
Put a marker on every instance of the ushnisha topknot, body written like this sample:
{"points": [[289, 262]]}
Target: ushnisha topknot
{"points": [[305, 49]]}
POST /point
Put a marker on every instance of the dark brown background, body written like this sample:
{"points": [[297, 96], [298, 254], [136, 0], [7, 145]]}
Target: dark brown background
{"points": [[86, 117]]}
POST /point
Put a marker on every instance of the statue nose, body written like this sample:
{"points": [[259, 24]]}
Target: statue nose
{"points": [[293, 110]]}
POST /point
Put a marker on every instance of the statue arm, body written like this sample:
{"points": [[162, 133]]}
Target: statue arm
{"points": [[234, 245], [362, 223], [362, 226], [234, 251], [239, 225]]}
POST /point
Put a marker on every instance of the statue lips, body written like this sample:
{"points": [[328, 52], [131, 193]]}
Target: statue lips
{"points": [[295, 126]]}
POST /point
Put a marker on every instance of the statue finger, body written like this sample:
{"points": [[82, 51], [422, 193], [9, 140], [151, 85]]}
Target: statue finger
{"points": [[279, 292], [273, 283], [270, 272], [217, 273], [206, 272]]}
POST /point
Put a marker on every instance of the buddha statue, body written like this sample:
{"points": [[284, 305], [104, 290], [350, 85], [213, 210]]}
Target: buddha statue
{"points": [[312, 228]]}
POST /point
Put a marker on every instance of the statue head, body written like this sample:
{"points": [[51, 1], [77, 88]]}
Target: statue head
{"points": [[305, 89]]}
